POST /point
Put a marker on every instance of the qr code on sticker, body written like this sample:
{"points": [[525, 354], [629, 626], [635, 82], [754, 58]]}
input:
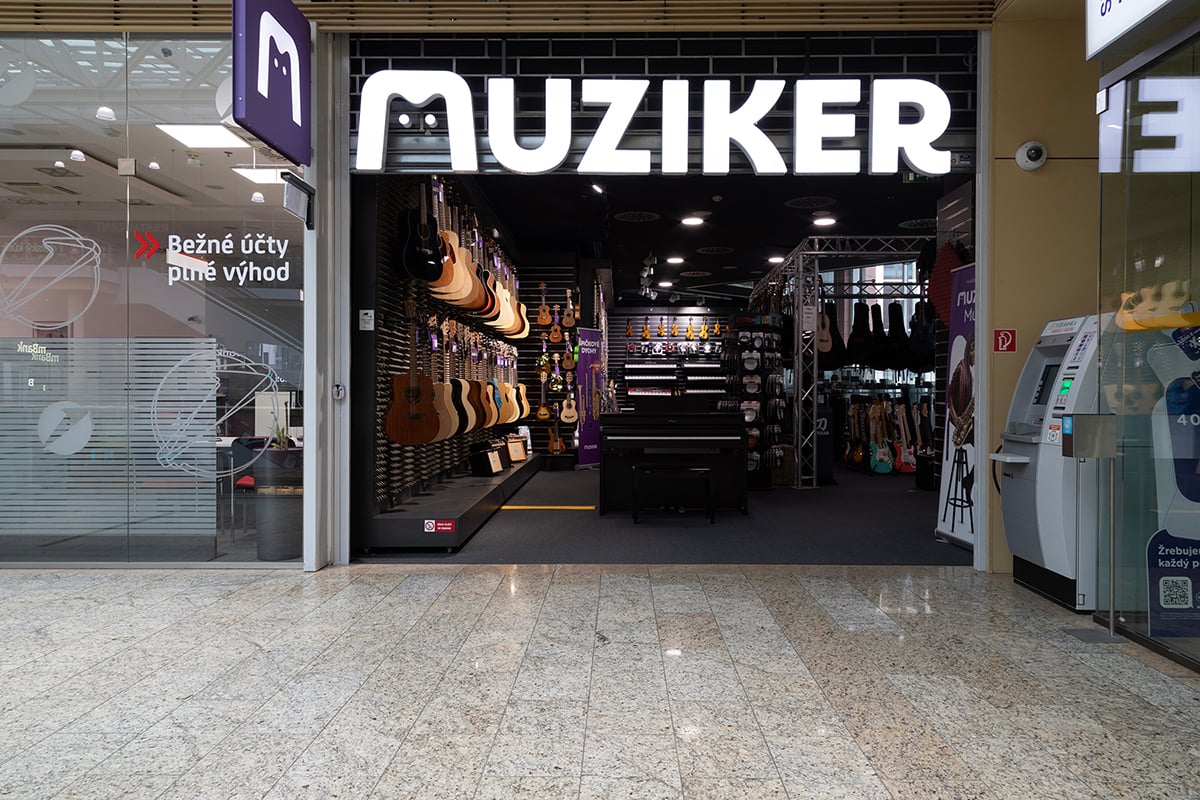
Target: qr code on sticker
{"points": [[1175, 592]]}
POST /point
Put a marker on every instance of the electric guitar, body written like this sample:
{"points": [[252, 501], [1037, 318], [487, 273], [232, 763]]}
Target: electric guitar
{"points": [[411, 416], [569, 316], [543, 411], [906, 462], [569, 414], [557, 445], [881, 456], [543, 317], [555, 329]]}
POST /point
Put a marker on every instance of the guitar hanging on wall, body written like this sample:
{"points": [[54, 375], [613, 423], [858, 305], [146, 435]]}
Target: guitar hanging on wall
{"points": [[569, 316], [555, 329], [543, 317], [412, 417], [569, 414]]}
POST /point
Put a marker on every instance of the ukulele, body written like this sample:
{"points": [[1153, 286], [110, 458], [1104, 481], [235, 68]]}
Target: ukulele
{"points": [[569, 414], [569, 316], [555, 330], [674, 326], [662, 326], [556, 380], [543, 317], [411, 416], [704, 329], [646, 328], [568, 360], [544, 359], [543, 411]]}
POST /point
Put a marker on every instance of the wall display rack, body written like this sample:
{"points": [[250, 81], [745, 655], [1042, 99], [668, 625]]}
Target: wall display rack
{"points": [[669, 351]]}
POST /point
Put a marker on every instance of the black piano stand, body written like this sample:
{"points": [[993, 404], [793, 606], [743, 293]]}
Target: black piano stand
{"points": [[642, 472]]}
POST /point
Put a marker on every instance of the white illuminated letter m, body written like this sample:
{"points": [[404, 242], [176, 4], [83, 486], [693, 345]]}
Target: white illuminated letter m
{"points": [[418, 87]]}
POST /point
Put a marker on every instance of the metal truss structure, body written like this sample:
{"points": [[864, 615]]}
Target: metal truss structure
{"points": [[796, 281]]}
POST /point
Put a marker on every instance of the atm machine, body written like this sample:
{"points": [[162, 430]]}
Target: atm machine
{"points": [[1052, 527]]}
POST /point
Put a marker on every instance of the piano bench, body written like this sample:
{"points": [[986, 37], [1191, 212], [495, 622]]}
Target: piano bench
{"points": [[671, 472]]}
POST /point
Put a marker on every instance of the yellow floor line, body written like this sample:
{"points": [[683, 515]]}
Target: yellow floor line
{"points": [[550, 508]]}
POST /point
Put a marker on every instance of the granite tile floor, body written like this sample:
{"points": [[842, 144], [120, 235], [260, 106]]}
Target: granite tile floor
{"points": [[424, 682]]}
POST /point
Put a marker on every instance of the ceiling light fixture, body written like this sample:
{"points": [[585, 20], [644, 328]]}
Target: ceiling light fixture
{"points": [[59, 165], [664, 284], [153, 165], [77, 155], [260, 174], [675, 260], [823, 218], [257, 197], [105, 113], [193, 159], [204, 136], [597, 188], [775, 259], [693, 221]]}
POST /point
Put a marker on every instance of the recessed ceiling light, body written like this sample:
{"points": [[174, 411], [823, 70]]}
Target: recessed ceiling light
{"points": [[665, 284], [204, 136], [809, 202], [261, 174], [635, 216], [105, 113], [776, 259], [257, 197], [77, 155], [675, 260], [824, 222], [597, 188], [692, 221]]}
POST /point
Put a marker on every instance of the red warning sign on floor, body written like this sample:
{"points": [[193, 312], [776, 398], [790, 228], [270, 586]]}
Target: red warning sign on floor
{"points": [[1004, 340], [439, 526]]}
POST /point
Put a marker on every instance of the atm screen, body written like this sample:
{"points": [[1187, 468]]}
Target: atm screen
{"points": [[1045, 385], [1065, 388]]}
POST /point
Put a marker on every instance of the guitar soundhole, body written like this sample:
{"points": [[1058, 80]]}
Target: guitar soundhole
{"points": [[412, 395]]}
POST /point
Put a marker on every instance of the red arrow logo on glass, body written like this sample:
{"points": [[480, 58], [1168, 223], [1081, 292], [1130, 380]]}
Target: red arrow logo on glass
{"points": [[149, 246]]}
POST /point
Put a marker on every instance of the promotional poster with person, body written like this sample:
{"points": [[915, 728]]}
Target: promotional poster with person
{"points": [[957, 499]]}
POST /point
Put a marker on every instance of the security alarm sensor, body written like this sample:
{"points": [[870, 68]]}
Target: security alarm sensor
{"points": [[1031, 155]]}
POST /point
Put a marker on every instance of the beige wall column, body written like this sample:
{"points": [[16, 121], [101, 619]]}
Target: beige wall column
{"points": [[1044, 224]]}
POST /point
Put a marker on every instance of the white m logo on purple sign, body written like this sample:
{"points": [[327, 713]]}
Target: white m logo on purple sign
{"points": [[271, 33]]}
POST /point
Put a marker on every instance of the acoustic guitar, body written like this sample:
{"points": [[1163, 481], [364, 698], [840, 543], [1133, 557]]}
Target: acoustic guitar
{"points": [[443, 390], [459, 386], [447, 239], [824, 339], [569, 414], [411, 416], [419, 245], [556, 330]]}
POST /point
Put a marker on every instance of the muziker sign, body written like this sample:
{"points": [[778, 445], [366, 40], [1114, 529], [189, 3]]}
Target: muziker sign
{"points": [[823, 110]]}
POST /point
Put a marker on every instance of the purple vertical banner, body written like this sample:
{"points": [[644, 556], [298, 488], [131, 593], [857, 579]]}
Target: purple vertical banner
{"points": [[589, 385], [959, 487]]}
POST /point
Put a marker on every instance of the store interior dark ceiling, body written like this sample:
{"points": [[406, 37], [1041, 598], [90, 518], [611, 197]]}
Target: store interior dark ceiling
{"points": [[633, 222]]}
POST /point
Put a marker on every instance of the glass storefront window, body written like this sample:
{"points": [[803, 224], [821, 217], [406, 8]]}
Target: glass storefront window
{"points": [[1150, 351], [151, 293]]}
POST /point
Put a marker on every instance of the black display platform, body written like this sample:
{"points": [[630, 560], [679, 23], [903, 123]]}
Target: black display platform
{"points": [[450, 514]]}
